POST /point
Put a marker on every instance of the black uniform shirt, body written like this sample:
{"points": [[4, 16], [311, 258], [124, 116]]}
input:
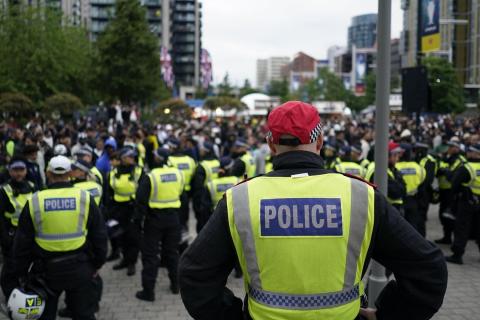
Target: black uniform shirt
{"points": [[26, 250], [418, 265]]}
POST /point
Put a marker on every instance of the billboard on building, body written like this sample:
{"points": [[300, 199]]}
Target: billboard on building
{"points": [[360, 72], [167, 67], [206, 69], [430, 25]]}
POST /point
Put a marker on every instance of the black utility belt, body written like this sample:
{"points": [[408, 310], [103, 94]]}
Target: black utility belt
{"points": [[68, 258]]}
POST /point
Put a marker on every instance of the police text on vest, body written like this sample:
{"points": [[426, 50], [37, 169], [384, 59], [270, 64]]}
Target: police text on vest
{"points": [[301, 217], [60, 204]]}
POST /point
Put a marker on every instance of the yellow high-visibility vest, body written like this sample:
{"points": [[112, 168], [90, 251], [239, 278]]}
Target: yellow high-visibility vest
{"points": [[369, 176], [125, 185], [98, 175], [351, 168], [283, 230], [93, 188], [250, 166], [211, 168], [474, 183], [166, 187], [60, 218], [412, 174], [17, 201], [219, 186], [186, 165]]}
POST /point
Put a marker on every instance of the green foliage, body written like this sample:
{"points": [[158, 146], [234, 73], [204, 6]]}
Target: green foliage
{"points": [[225, 88], [326, 87], [63, 103], [447, 92], [226, 103], [41, 55], [16, 104], [246, 89], [280, 89], [173, 111], [128, 61]]}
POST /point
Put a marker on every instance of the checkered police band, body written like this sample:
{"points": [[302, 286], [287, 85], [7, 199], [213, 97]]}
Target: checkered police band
{"points": [[315, 132]]}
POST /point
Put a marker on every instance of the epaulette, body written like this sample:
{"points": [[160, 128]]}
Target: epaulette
{"points": [[373, 185]]}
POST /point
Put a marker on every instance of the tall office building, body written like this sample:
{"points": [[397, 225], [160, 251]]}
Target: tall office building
{"points": [[362, 33], [460, 40], [269, 70]]}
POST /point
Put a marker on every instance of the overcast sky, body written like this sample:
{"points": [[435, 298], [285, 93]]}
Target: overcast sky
{"points": [[238, 32]]}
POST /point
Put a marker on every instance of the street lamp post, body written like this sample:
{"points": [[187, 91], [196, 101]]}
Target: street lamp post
{"points": [[377, 279]]}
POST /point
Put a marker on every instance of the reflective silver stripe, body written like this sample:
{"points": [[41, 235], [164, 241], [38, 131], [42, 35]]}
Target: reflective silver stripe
{"points": [[60, 236], [212, 191], [37, 214], [358, 221], [304, 301], [241, 212], [18, 208]]}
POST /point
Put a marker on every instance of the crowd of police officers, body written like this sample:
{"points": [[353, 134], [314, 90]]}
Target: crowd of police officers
{"points": [[144, 209]]}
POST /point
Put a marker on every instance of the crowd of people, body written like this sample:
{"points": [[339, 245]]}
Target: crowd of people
{"points": [[123, 162]]}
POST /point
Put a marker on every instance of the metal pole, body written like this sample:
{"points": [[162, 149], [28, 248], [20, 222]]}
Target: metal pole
{"points": [[377, 279]]}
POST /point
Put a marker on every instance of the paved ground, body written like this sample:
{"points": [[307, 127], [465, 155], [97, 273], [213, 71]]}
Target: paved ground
{"points": [[461, 302]]}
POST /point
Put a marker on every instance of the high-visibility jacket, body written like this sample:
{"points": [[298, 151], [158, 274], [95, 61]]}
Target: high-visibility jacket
{"points": [[250, 166], [186, 165], [98, 175], [413, 174], [60, 218], [268, 164], [219, 186], [141, 154], [211, 168], [429, 158], [474, 183], [364, 163], [331, 165], [369, 176], [17, 201], [302, 244], [352, 168], [166, 186], [443, 182], [93, 188], [124, 185]]}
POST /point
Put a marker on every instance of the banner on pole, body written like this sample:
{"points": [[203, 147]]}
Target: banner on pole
{"points": [[430, 25]]}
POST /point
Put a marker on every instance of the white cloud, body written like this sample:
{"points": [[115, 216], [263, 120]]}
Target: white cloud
{"points": [[238, 32]]}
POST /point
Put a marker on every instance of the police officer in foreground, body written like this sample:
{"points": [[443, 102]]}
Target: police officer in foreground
{"points": [[63, 233], [82, 177], [466, 187], [13, 197], [304, 237], [123, 184], [158, 201]]}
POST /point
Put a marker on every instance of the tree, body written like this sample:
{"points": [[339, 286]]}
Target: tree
{"points": [[371, 89], [247, 88], [128, 60], [173, 110], [226, 103], [63, 103], [327, 86], [16, 104], [446, 91], [279, 89], [41, 55], [225, 88]]}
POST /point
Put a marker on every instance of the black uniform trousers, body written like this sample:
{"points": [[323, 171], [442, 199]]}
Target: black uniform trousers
{"points": [[75, 277], [448, 224], [8, 279], [161, 227], [129, 241], [98, 284], [466, 215], [184, 209], [413, 215]]}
